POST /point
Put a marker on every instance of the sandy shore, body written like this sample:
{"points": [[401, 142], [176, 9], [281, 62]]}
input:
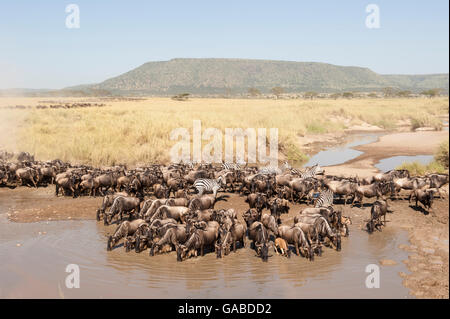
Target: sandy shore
{"points": [[395, 144], [428, 235], [408, 143]]}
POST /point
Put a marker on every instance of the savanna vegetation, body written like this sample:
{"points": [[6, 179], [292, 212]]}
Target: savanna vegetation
{"points": [[134, 132], [438, 165]]}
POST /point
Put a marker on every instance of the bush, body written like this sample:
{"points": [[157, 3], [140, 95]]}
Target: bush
{"points": [[441, 155], [439, 165], [426, 121], [418, 169]]}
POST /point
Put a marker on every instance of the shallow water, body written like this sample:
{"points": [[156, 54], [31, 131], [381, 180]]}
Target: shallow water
{"points": [[340, 154], [390, 163], [36, 269]]}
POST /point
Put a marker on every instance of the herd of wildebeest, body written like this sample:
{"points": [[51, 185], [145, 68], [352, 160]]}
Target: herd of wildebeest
{"points": [[56, 106], [167, 207]]}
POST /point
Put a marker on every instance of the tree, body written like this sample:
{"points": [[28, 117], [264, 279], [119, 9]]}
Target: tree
{"points": [[388, 92], [254, 92], [310, 95], [432, 92], [228, 92], [335, 95], [181, 97], [405, 93], [347, 95], [277, 91]]}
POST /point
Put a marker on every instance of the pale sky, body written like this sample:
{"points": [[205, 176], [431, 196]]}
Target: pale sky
{"points": [[37, 50]]}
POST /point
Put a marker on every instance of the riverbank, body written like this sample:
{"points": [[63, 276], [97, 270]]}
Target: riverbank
{"points": [[425, 256], [428, 235], [389, 145]]}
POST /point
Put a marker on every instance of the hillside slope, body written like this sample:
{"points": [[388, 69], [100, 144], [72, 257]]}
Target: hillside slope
{"points": [[219, 76]]}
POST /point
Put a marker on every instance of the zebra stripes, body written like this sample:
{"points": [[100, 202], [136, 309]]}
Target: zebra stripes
{"points": [[311, 171], [294, 171], [269, 170], [286, 166], [231, 166], [209, 185], [325, 199]]}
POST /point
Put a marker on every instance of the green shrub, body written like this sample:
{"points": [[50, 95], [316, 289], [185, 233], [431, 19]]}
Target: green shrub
{"points": [[426, 121], [418, 169], [441, 155]]}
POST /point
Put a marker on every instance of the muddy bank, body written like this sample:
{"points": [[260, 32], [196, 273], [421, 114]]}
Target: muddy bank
{"points": [[397, 144], [428, 250], [428, 234], [27, 205]]}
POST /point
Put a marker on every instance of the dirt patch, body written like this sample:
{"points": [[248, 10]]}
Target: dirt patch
{"points": [[27, 205], [397, 144], [429, 248]]}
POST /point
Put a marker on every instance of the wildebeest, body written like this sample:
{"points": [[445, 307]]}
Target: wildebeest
{"points": [[343, 188], [123, 204], [205, 235], [229, 237], [295, 236], [424, 196], [437, 181], [378, 210], [126, 228], [27, 174], [175, 212], [174, 236]]}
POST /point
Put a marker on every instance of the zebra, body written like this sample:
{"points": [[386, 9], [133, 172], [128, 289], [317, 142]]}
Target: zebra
{"points": [[312, 171], [267, 170], [209, 185], [325, 199], [231, 166], [286, 166], [296, 172]]}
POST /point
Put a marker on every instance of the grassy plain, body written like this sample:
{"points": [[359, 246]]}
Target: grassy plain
{"points": [[135, 132]]}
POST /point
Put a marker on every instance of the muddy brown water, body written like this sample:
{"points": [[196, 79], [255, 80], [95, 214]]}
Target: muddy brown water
{"points": [[37, 268]]}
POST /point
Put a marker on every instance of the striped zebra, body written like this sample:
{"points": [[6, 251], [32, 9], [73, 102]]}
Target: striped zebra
{"points": [[209, 185], [269, 170], [312, 171], [286, 166], [189, 165], [325, 199], [296, 172], [231, 166]]}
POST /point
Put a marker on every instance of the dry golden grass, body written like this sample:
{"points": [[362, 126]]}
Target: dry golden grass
{"points": [[138, 131]]}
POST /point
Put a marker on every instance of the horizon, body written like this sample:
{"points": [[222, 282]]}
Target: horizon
{"points": [[212, 58], [39, 51]]}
